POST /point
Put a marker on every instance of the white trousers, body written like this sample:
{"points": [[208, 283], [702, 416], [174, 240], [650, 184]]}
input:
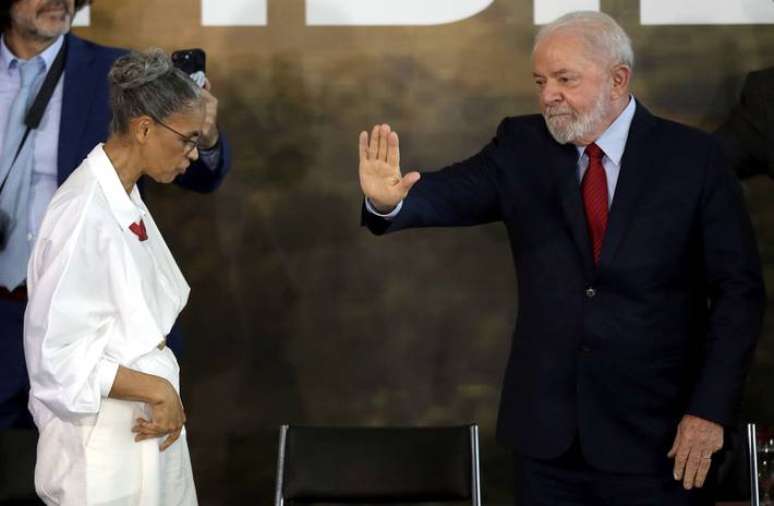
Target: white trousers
{"points": [[98, 463]]}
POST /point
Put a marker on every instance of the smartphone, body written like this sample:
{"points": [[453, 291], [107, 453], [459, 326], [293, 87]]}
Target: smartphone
{"points": [[190, 61]]}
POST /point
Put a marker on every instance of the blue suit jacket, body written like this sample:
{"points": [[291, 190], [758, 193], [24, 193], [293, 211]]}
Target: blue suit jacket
{"points": [[614, 354]]}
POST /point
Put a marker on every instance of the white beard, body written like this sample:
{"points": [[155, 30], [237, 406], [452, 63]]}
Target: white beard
{"points": [[576, 126]]}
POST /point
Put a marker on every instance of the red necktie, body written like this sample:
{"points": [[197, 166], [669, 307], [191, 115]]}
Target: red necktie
{"points": [[594, 191], [138, 229]]}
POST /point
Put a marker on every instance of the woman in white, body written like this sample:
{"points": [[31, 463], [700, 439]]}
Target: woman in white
{"points": [[104, 292]]}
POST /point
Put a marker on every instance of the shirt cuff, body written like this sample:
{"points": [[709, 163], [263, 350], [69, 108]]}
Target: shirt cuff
{"points": [[392, 214], [211, 156], [106, 374]]}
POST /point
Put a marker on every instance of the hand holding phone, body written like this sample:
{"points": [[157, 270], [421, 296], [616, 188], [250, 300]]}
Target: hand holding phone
{"points": [[193, 62]]}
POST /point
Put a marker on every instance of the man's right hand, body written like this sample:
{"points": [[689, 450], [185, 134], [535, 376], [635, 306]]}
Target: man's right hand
{"points": [[380, 177]]}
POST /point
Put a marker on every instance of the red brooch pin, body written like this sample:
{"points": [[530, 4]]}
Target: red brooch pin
{"points": [[138, 229]]}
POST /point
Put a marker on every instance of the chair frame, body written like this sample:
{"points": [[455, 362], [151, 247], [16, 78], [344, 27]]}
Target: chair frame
{"points": [[475, 471], [752, 456]]}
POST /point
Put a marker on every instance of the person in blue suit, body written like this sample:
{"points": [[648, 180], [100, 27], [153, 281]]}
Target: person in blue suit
{"points": [[640, 286], [75, 120]]}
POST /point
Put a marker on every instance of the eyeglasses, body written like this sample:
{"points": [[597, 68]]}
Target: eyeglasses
{"points": [[189, 142]]}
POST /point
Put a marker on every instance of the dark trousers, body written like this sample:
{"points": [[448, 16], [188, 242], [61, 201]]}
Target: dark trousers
{"points": [[18, 438], [570, 481], [14, 383]]}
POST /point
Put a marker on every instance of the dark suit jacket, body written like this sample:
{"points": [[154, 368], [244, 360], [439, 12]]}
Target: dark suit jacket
{"points": [[619, 353], [748, 134]]}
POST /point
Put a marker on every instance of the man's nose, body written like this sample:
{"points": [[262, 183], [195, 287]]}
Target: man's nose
{"points": [[550, 94]]}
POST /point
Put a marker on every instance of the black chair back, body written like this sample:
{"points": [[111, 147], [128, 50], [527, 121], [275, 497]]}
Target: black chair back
{"points": [[377, 465]]}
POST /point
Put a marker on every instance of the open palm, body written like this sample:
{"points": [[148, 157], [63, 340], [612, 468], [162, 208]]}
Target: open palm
{"points": [[380, 177]]}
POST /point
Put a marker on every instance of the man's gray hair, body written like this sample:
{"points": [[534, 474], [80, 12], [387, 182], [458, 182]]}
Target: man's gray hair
{"points": [[605, 38], [148, 84]]}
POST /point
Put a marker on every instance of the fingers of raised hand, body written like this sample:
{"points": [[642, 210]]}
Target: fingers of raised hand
{"points": [[393, 150], [380, 177], [380, 147], [408, 181], [384, 136], [363, 146], [373, 145]]}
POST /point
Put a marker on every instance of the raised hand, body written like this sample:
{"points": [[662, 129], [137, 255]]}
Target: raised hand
{"points": [[210, 132], [380, 177]]}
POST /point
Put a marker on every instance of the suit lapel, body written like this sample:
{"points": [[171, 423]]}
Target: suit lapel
{"points": [[565, 166], [635, 166], [79, 85]]}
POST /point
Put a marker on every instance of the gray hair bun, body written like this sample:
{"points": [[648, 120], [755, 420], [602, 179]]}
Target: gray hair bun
{"points": [[147, 84], [137, 69]]}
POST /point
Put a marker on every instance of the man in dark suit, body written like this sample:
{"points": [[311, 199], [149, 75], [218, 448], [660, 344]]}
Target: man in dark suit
{"points": [[640, 286], [76, 119], [748, 135]]}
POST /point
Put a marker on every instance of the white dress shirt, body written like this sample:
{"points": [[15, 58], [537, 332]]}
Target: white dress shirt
{"points": [[612, 142], [99, 298]]}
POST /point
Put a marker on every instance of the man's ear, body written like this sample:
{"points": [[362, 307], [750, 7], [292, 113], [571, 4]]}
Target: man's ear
{"points": [[622, 75]]}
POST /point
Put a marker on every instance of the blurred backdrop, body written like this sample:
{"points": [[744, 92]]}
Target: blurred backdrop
{"points": [[297, 314]]}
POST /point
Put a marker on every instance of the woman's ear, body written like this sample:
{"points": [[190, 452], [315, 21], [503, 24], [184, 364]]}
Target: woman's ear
{"points": [[141, 128]]}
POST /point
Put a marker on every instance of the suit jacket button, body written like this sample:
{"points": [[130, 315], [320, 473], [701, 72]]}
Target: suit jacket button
{"points": [[590, 292]]}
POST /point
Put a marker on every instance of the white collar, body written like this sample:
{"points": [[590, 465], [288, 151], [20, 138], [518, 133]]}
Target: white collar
{"points": [[126, 208], [613, 140]]}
